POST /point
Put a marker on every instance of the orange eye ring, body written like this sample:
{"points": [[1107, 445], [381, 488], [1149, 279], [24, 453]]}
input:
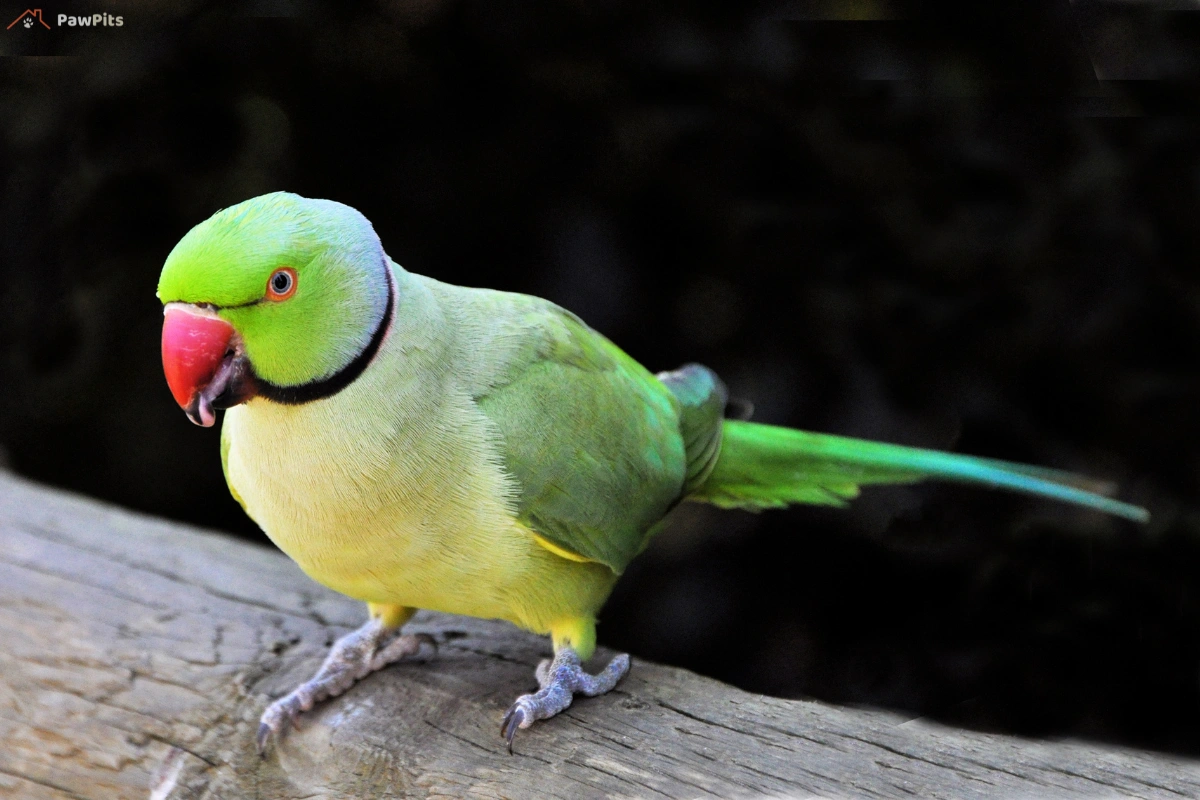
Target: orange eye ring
{"points": [[282, 284]]}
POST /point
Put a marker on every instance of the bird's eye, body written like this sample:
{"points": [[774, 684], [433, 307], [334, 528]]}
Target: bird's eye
{"points": [[282, 284]]}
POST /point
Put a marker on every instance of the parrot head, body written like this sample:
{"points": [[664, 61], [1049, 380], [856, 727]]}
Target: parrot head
{"points": [[279, 296]]}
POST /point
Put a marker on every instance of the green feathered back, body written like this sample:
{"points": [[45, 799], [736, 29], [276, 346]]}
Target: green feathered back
{"points": [[765, 466]]}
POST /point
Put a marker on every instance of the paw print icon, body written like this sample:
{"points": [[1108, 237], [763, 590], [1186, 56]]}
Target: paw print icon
{"points": [[30, 17]]}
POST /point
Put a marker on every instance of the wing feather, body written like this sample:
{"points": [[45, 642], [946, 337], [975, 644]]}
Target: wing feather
{"points": [[590, 436]]}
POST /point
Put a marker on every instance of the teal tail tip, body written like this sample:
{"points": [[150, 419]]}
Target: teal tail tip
{"points": [[1039, 481], [1049, 483], [1138, 514], [1118, 508]]}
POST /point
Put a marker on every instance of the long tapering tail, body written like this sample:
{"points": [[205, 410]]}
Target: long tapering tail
{"points": [[765, 466]]}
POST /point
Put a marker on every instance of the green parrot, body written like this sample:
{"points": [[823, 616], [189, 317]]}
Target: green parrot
{"points": [[414, 444]]}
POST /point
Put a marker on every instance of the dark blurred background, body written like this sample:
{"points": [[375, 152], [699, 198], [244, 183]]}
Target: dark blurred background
{"points": [[933, 224]]}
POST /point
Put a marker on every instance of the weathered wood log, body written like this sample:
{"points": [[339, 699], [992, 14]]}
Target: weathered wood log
{"points": [[137, 655]]}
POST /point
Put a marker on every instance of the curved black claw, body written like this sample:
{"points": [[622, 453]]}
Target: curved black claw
{"points": [[512, 722], [429, 640], [260, 739]]}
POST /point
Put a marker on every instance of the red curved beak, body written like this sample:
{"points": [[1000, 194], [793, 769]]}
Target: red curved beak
{"points": [[194, 347]]}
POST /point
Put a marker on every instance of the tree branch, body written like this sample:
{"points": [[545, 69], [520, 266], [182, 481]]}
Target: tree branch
{"points": [[139, 654]]}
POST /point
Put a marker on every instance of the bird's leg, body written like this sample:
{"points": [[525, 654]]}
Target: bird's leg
{"points": [[560, 680], [352, 657]]}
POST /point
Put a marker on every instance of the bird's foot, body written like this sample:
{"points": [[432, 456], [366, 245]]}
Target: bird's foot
{"points": [[560, 680], [352, 657]]}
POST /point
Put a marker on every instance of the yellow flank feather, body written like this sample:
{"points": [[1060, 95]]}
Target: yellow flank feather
{"points": [[559, 551]]}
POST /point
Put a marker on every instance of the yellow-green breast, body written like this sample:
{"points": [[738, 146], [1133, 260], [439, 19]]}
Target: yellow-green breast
{"points": [[391, 491]]}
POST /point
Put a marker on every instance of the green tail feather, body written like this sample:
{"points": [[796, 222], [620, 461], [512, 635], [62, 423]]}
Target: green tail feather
{"points": [[764, 466]]}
